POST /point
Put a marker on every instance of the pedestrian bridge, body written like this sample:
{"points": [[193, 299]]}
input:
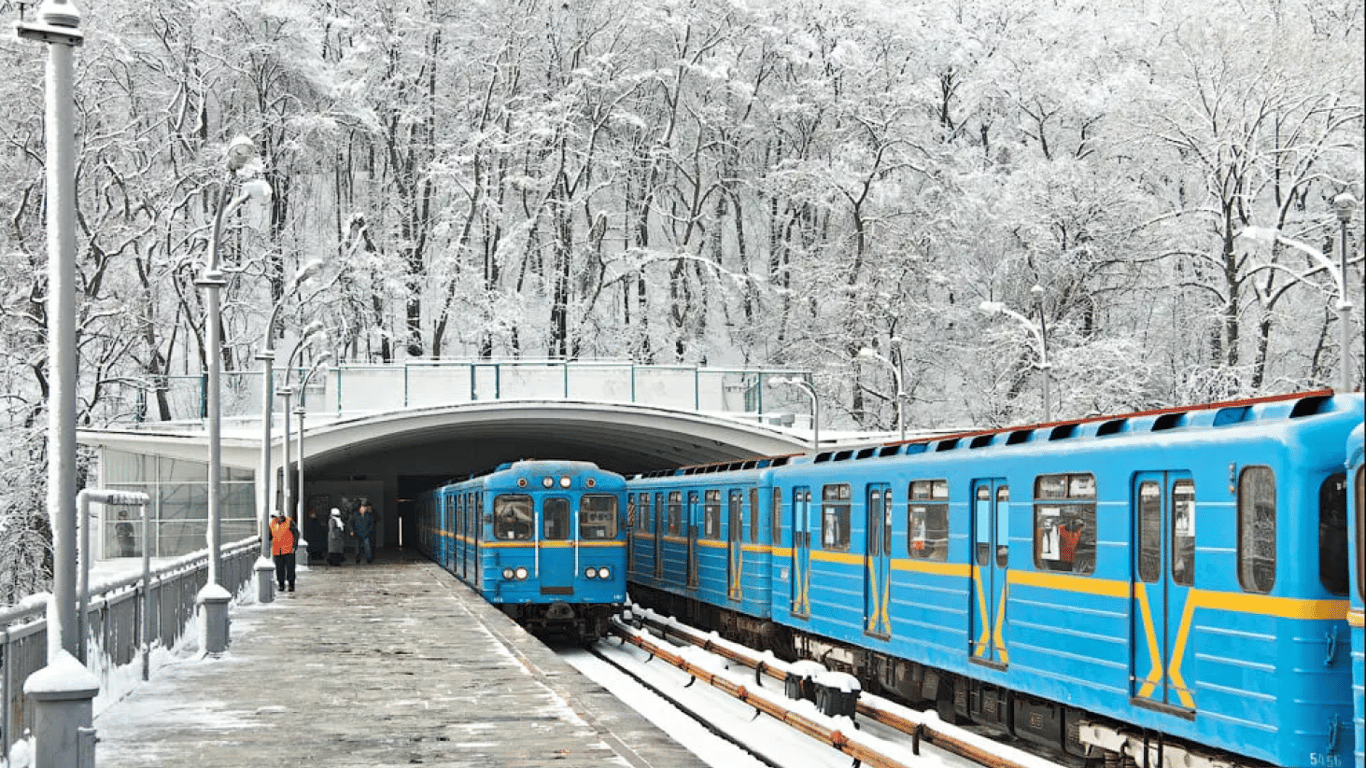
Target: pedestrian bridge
{"points": [[388, 432]]}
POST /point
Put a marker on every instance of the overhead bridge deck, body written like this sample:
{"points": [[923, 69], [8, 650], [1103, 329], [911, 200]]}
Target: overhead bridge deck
{"points": [[384, 664]]}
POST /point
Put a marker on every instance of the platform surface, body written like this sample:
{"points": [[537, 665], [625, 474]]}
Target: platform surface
{"points": [[393, 663]]}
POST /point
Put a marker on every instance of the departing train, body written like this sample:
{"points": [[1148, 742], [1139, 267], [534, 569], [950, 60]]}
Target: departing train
{"points": [[1356, 506], [542, 540], [1171, 586]]}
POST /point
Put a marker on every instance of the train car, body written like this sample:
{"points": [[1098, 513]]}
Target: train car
{"points": [[702, 544], [543, 540], [1356, 505], [1163, 585]]}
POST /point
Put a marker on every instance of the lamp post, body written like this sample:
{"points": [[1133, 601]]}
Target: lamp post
{"points": [[265, 583], [300, 410], [287, 391], [1040, 332], [872, 354], [63, 690], [1344, 205], [810, 391], [213, 598]]}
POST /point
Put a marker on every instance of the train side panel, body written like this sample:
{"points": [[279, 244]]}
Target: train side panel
{"points": [[1356, 557]]}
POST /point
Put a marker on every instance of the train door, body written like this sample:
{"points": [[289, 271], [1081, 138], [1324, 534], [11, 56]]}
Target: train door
{"points": [[801, 552], [735, 546], [1164, 570], [877, 582], [690, 522], [990, 558], [556, 556]]}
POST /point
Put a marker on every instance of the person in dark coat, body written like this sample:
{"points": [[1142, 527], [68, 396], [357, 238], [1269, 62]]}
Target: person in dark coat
{"points": [[363, 528], [336, 537], [315, 533]]}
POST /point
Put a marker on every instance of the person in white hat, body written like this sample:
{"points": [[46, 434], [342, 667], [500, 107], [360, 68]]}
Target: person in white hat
{"points": [[336, 538]]}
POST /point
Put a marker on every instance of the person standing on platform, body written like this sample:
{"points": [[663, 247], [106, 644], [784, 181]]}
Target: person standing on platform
{"points": [[336, 537], [363, 528], [284, 537], [123, 530], [315, 533]]}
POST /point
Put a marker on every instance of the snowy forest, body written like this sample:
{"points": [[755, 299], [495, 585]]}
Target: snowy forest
{"points": [[712, 182]]}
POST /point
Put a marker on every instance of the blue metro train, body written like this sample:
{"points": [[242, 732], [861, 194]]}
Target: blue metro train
{"points": [[1170, 586], [542, 540]]}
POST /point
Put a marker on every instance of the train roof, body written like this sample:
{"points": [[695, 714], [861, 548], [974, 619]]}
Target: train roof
{"points": [[1208, 415]]}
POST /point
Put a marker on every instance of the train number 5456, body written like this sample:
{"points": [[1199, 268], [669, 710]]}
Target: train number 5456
{"points": [[1320, 760]]}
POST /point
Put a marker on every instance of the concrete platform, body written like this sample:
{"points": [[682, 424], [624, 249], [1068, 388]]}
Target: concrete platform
{"points": [[387, 664]]}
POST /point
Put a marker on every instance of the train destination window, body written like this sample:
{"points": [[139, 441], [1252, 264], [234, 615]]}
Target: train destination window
{"points": [[556, 513], [512, 517], [711, 514], [645, 513], [1333, 568], [675, 511], [597, 516], [1257, 529], [835, 503], [927, 519], [1065, 523], [1183, 533]]}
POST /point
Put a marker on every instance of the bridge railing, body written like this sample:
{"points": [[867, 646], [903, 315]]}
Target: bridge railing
{"points": [[356, 389], [115, 614]]}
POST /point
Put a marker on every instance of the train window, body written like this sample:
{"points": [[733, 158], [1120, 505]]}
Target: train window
{"points": [[1257, 529], [1065, 523], [927, 519], [598, 516], [1359, 493], [754, 515], [711, 514], [1149, 531], [645, 513], [835, 503], [1002, 525], [675, 511], [1333, 568], [555, 511], [777, 516], [512, 519], [737, 515], [1183, 533]]}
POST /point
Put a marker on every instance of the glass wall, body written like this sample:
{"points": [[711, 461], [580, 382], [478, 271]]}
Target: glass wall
{"points": [[179, 504]]}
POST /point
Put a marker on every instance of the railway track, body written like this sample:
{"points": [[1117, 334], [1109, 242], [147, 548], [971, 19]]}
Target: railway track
{"points": [[783, 732]]}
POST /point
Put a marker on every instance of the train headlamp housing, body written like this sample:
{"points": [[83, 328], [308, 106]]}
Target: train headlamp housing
{"points": [[548, 482], [564, 482], [508, 574], [604, 573], [590, 572], [522, 574]]}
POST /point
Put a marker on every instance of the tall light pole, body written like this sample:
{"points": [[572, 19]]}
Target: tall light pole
{"points": [[287, 392], [1344, 205], [214, 597], [63, 690], [810, 391], [1040, 332], [872, 354], [265, 582], [300, 410]]}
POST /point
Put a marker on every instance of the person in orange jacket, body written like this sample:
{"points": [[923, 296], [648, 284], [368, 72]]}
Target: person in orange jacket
{"points": [[284, 537]]}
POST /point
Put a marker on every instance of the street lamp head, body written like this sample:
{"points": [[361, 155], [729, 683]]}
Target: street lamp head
{"points": [[59, 13], [241, 150], [1344, 205], [257, 189], [1037, 290]]}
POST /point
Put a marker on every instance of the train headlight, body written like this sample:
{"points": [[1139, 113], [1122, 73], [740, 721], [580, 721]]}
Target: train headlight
{"points": [[522, 574], [590, 572], [508, 573], [604, 573], [564, 482], [548, 482]]}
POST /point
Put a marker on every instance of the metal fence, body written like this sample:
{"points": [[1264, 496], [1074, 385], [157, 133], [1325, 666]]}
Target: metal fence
{"points": [[115, 618], [353, 389]]}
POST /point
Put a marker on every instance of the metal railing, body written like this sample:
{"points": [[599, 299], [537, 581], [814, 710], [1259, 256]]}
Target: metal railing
{"points": [[115, 614], [353, 389]]}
